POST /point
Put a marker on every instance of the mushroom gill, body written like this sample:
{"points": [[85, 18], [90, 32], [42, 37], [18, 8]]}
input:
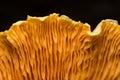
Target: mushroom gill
{"points": [[57, 48]]}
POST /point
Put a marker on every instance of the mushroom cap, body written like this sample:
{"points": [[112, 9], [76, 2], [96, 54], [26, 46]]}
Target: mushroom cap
{"points": [[58, 48]]}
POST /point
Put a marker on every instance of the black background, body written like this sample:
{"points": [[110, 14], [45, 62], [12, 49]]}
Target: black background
{"points": [[91, 11]]}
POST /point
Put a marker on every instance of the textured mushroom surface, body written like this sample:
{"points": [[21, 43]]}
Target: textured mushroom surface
{"points": [[57, 48]]}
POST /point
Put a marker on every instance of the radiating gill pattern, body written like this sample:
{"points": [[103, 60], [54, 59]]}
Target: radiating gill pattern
{"points": [[58, 48]]}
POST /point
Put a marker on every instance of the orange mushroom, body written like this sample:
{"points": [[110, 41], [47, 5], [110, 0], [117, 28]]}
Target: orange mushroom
{"points": [[58, 48]]}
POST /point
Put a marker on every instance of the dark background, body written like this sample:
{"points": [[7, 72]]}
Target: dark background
{"points": [[91, 11]]}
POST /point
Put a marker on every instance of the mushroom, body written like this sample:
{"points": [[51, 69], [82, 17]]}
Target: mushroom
{"points": [[58, 48]]}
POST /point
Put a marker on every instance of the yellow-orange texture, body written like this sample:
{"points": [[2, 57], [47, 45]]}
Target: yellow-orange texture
{"points": [[57, 48]]}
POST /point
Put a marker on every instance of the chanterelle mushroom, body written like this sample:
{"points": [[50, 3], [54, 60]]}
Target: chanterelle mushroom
{"points": [[58, 48]]}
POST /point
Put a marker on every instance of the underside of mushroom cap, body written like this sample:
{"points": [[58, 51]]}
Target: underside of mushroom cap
{"points": [[58, 48]]}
